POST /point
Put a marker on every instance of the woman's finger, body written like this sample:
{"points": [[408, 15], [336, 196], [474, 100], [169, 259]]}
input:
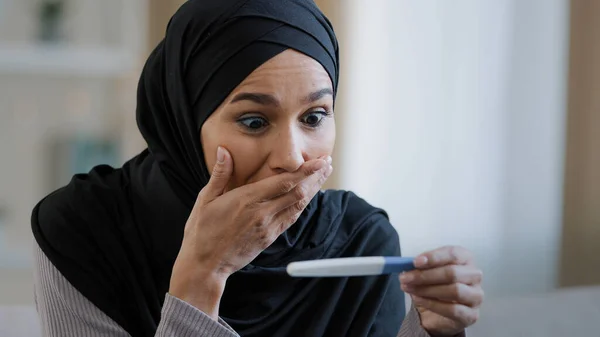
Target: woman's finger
{"points": [[283, 183], [287, 207], [460, 313], [219, 177], [442, 275], [305, 190], [444, 256], [471, 296]]}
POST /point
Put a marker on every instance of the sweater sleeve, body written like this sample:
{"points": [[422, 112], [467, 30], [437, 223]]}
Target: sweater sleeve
{"points": [[65, 312]]}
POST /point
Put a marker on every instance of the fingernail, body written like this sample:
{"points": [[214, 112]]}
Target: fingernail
{"points": [[329, 171], [421, 261], [220, 155], [406, 278], [328, 160]]}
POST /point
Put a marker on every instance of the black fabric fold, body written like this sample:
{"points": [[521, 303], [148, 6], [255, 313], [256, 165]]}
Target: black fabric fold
{"points": [[115, 233]]}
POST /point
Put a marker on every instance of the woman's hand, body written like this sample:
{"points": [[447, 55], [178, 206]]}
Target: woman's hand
{"points": [[445, 289], [226, 231]]}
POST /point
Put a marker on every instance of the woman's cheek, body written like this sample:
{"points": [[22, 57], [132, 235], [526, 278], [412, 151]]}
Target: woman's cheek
{"points": [[247, 159], [322, 143]]}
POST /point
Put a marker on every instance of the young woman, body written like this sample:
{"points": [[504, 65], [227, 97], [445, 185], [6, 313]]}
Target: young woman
{"points": [[192, 236]]}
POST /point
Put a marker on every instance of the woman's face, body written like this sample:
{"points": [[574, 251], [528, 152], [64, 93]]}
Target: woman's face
{"points": [[280, 116]]}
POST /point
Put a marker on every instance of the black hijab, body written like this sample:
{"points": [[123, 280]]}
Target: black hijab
{"points": [[115, 233]]}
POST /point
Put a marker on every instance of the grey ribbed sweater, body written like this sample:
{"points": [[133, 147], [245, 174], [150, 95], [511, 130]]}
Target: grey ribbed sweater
{"points": [[65, 312]]}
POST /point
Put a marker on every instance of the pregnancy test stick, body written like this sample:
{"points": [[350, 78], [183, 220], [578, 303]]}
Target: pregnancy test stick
{"points": [[351, 266]]}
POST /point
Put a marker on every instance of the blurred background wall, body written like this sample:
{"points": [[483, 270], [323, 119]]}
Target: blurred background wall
{"points": [[472, 122], [67, 100], [455, 124]]}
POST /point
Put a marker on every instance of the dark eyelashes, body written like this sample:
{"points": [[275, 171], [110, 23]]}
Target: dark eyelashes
{"points": [[256, 123]]}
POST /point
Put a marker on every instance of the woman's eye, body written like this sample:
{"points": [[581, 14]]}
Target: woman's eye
{"points": [[253, 123], [314, 118]]}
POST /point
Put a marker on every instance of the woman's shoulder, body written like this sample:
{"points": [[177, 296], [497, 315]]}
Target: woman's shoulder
{"points": [[363, 223], [73, 210], [352, 206], [95, 188]]}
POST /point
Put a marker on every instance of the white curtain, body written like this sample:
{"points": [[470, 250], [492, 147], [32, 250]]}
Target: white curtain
{"points": [[453, 121]]}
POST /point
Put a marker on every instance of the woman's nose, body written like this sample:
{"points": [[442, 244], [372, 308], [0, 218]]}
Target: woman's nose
{"points": [[287, 152]]}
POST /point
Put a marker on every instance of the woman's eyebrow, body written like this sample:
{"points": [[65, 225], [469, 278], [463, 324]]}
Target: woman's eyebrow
{"points": [[267, 99], [317, 95], [259, 98]]}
